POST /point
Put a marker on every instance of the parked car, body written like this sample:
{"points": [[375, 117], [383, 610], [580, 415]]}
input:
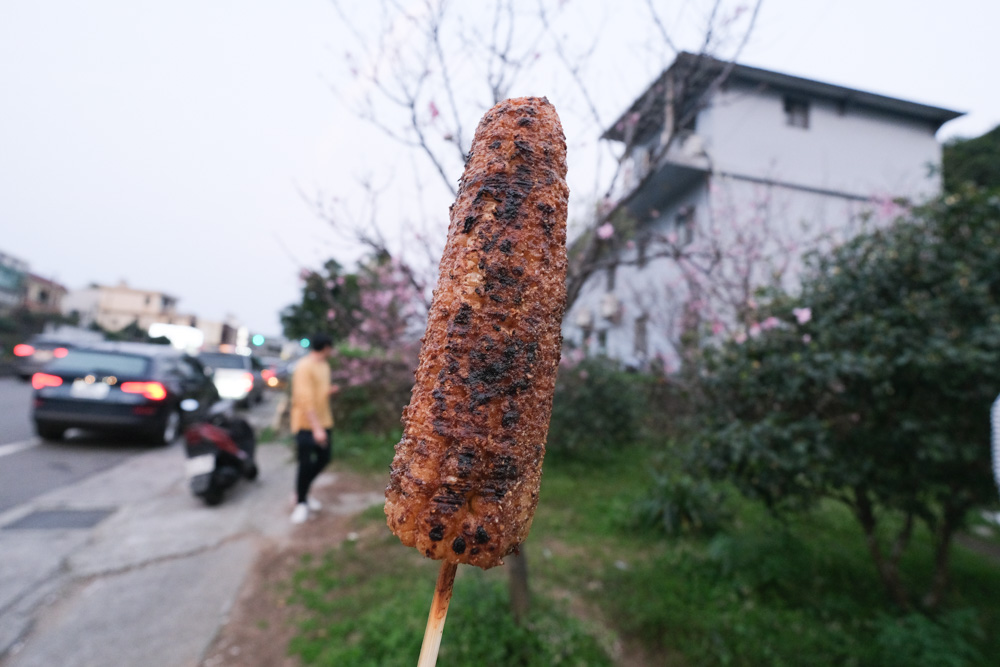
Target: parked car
{"points": [[272, 372], [132, 387], [30, 356], [236, 376]]}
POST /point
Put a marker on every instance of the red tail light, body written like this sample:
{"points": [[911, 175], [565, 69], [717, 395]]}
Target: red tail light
{"points": [[154, 391], [23, 350], [60, 352], [267, 374], [42, 380]]}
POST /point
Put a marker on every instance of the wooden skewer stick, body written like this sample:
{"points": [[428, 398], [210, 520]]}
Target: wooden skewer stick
{"points": [[439, 611]]}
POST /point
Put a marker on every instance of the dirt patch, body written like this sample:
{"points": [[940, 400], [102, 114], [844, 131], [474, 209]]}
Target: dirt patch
{"points": [[261, 623]]}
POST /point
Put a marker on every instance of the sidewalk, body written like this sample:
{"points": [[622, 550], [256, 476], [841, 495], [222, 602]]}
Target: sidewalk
{"points": [[152, 578]]}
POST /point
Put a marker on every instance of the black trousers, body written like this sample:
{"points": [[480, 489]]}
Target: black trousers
{"points": [[312, 460]]}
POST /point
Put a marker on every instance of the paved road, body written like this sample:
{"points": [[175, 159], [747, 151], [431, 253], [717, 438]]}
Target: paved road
{"points": [[148, 579], [30, 466], [15, 405]]}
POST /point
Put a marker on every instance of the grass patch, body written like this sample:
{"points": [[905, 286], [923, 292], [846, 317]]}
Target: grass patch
{"points": [[367, 604], [802, 591], [365, 452]]}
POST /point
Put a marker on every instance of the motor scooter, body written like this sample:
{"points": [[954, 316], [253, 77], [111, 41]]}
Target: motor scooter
{"points": [[220, 452]]}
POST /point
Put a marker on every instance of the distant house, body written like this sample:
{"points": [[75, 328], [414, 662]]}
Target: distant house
{"points": [[114, 307], [768, 163], [42, 295], [12, 273]]}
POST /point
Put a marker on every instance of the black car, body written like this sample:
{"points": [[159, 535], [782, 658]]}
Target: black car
{"points": [[37, 351], [131, 387]]}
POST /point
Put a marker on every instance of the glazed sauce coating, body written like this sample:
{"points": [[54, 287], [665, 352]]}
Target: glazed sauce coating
{"points": [[466, 474]]}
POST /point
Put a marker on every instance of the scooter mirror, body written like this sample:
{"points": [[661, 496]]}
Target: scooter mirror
{"points": [[189, 405]]}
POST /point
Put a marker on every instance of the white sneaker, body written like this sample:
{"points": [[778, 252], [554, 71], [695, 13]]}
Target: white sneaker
{"points": [[314, 505], [300, 513]]}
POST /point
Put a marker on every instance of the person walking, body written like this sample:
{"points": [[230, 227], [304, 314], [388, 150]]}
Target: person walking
{"points": [[312, 421]]}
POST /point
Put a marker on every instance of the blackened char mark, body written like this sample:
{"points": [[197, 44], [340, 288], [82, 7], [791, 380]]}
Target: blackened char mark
{"points": [[462, 318], [449, 499], [522, 148], [503, 472], [509, 191], [466, 462], [490, 369], [547, 211]]}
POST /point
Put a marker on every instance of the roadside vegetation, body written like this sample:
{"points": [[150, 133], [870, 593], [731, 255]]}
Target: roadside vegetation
{"points": [[610, 587], [813, 489]]}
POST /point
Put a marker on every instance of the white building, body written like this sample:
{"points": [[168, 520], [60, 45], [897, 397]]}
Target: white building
{"points": [[114, 307], [739, 176]]}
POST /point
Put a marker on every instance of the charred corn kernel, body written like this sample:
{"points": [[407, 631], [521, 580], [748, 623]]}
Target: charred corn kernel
{"points": [[466, 474]]}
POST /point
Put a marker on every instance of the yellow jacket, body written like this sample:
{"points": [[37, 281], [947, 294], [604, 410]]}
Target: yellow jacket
{"points": [[311, 390]]}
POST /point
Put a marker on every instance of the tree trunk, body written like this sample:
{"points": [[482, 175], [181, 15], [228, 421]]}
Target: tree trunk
{"points": [[520, 597], [942, 552], [888, 570]]}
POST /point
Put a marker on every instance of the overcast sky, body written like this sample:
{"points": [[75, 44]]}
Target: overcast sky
{"points": [[168, 144]]}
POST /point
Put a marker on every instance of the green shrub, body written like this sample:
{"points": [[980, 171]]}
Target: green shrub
{"points": [[678, 503], [597, 409], [916, 640]]}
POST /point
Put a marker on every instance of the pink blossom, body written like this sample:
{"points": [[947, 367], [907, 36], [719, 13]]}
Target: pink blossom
{"points": [[330, 284], [630, 245], [770, 323], [584, 375], [331, 314], [605, 231], [807, 339], [751, 303], [754, 329], [716, 328], [304, 274], [434, 110], [740, 338], [802, 315]]}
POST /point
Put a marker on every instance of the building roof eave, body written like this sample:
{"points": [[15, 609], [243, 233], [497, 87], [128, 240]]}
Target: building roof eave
{"points": [[790, 84]]}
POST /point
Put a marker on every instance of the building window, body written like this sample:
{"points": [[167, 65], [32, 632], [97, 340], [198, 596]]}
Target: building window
{"points": [[685, 225], [602, 341], [796, 113], [642, 336]]}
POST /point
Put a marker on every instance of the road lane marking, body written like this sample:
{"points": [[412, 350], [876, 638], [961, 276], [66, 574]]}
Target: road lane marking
{"points": [[14, 447]]}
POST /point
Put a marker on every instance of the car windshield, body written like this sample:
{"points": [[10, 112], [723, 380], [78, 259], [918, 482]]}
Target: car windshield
{"points": [[224, 360], [82, 362]]}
